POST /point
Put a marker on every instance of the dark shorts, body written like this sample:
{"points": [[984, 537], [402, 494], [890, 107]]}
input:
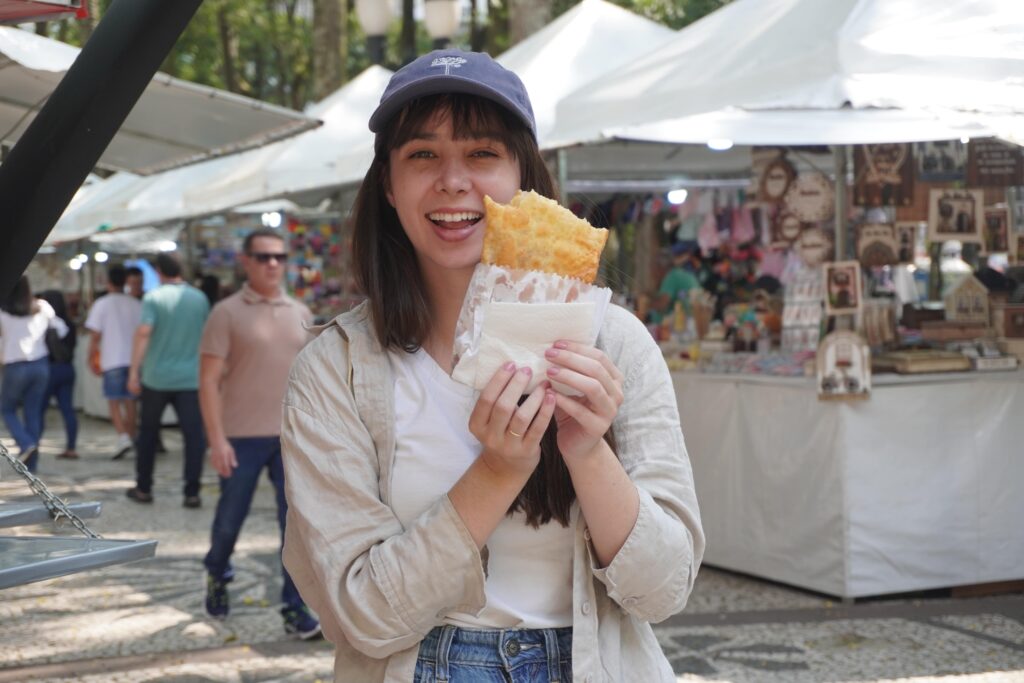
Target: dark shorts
{"points": [[115, 384]]}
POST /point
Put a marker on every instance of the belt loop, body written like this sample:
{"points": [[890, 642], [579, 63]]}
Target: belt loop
{"points": [[551, 646], [444, 644]]}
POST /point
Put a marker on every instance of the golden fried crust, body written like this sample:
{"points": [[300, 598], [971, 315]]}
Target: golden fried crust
{"points": [[535, 233]]}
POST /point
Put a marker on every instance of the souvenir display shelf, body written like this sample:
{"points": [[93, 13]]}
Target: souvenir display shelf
{"points": [[858, 499]]}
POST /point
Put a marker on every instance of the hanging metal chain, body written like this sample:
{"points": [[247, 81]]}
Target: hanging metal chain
{"points": [[58, 509]]}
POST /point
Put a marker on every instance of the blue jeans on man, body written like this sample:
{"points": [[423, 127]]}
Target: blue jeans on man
{"points": [[24, 386], [236, 492]]}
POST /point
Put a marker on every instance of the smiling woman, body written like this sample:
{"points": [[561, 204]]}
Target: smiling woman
{"points": [[439, 532]]}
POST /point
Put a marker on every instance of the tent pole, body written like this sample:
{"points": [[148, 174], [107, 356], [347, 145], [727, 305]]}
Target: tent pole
{"points": [[563, 176], [62, 144], [839, 156]]}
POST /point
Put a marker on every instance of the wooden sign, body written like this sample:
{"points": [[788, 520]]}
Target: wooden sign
{"points": [[775, 179], [883, 175], [993, 163], [956, 215], [967, 302], [906, 240], [876, 245]]}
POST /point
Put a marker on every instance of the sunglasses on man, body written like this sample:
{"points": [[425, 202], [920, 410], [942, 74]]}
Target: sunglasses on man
{"points": [[265, 257]]}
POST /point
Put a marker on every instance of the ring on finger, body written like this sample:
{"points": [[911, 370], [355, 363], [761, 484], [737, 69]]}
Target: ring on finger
{"points": [[516, 434]]}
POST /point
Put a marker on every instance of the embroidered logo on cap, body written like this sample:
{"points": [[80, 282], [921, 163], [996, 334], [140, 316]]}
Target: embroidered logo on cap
{"points": [[448, 63]]}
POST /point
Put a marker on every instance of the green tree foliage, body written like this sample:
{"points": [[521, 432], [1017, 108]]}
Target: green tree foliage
{"points": [[673, 13]]}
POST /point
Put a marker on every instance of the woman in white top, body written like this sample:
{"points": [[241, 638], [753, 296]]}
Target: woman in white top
{"points": [[442, 534], [24, 321]]}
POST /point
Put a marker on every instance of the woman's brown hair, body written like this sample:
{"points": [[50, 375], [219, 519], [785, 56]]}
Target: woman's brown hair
{"points": [[387, 270]]}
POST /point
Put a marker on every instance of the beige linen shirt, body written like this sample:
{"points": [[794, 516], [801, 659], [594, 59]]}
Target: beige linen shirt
{"points": [[379, 588]]}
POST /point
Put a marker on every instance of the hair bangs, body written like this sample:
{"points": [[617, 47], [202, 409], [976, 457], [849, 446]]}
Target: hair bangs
{"points": [[472, 117]]}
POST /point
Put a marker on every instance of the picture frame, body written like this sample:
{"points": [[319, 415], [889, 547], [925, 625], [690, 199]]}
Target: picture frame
{"points": [[877, 245], [883, 174], [956, 215], [906, 240], [941, 161], [843, 290], [997, 230]]}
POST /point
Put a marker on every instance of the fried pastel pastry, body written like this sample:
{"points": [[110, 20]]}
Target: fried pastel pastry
{"points": [[533, 232]]}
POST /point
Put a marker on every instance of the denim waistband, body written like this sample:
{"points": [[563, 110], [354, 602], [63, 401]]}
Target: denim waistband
{"points": [[507, 648]]}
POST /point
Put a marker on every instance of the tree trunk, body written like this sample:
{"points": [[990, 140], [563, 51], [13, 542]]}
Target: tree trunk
{"points": [[229, 49], [89, 25], [526, 17], [408, 40], [329, 22]]}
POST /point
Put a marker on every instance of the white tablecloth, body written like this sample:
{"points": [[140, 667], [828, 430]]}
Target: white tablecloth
{"points": [[918, 487]]}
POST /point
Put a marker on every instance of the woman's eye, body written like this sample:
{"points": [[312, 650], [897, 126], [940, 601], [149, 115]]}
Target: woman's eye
{"points": [[422, 154], [485, 153]]}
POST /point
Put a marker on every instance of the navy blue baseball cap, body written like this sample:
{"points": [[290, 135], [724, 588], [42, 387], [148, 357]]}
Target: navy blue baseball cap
{"points": [[454, 71]]}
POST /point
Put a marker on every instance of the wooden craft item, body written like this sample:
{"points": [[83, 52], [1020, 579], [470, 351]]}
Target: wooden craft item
{"points": [[883, 175], [920, 361], [906, 240], [843, 367], [993, 163], [810, 197], [842, 287], [997, 229], [941, 161], [1008, 320], [775, 180], [945, 330], [967, 302], [877, 245]]}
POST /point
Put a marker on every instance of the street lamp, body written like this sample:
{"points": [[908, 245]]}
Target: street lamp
{"points": [[375, 17], [442, 20]]}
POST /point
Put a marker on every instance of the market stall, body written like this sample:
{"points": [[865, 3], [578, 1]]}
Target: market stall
{"points": [[861, 498]]}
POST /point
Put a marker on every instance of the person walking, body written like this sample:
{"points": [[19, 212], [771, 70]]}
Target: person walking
{"points": [[24, 321], [62, 375], [165, 370], [112, 322], [248, 345], [445, 534]]}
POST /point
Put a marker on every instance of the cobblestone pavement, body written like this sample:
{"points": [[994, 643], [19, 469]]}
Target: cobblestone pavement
{"points": [[145, 621]]}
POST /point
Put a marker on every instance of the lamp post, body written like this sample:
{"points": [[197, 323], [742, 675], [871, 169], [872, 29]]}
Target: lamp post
{"points": [[374, 17], [441, 18]]}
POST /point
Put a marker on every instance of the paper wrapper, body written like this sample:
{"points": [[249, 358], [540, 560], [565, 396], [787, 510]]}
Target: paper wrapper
{"points": [[515, 315]]}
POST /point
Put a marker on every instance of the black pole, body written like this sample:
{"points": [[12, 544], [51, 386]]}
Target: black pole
{"points": [[46, 167]]}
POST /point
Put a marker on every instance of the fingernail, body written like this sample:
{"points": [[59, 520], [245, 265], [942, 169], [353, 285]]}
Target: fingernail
{"points": [[551, 353], [509, 366], [549, 396], [526, 370], [552, 371], [561, 345]]}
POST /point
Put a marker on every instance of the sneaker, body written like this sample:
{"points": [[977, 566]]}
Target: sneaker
{"points": [[300, 623], [124, 445], [27, 454], [217, 598], [192, 502], [139, 496]]}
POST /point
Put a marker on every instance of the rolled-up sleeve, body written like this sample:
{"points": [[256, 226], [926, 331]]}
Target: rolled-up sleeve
{"points": [[378, 585], [653, 573]]}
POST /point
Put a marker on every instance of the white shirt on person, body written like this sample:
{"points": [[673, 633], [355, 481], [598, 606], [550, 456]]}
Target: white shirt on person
{"points": [[23, 338], [529, 571], [115, 317]]}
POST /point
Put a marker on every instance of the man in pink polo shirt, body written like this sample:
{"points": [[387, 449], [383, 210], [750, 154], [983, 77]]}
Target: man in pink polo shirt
{"points": [[248, 345]]}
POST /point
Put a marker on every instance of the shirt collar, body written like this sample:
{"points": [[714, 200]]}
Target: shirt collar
{"points": [[251, 296]]}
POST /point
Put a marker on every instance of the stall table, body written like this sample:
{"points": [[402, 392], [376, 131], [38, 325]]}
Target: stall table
{"points": [[918, 487]]}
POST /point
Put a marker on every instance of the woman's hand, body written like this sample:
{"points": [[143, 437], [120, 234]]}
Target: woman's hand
{"points": [[511, 433], [583, 420]]}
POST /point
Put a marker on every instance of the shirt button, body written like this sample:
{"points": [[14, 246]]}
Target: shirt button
{"points": [[586, 607], [586, 533], [512, 648]]}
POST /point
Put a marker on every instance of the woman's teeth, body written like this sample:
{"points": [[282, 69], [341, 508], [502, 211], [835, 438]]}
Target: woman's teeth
{"points": [[455, 217]]}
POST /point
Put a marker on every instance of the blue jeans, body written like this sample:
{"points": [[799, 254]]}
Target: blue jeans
{"points": [[463, 655], [253, 455], [186, 405], [61, 386], [24, 386]]}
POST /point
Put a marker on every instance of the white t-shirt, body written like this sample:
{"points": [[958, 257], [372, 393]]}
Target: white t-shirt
{"points": [[529, 577], [24, 337], [115, 316]]}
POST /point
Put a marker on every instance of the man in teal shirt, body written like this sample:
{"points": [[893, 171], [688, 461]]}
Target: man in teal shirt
{"points": [[678, 281], [165, 370]]}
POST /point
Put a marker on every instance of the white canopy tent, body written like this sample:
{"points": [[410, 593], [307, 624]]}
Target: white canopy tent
{"points": [[590, 41], [811, 72], [174, 122]]}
